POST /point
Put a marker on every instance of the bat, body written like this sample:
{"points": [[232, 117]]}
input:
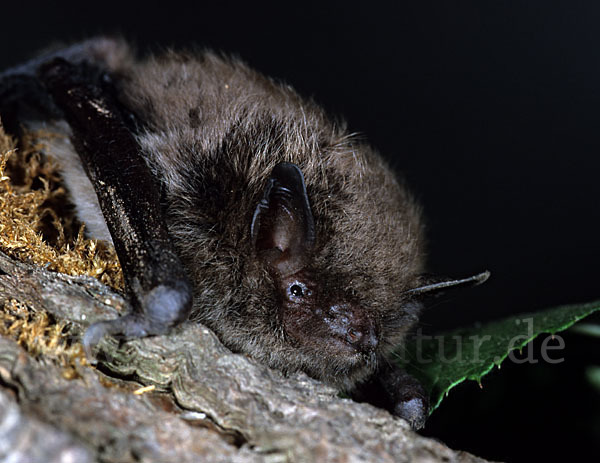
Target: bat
{"points": [[233, 202]]}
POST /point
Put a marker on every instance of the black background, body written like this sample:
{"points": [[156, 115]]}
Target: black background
{"points": [[491, 112]]}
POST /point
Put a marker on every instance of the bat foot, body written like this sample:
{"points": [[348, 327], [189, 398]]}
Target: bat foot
{"points": [[406, 397], [414, 410], [162, 308]]}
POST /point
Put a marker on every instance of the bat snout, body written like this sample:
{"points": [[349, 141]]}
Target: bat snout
{"points": [[353, 325]]}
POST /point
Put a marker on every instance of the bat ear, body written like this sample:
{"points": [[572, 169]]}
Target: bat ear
{"points": [[283, 229], [436, 286]]}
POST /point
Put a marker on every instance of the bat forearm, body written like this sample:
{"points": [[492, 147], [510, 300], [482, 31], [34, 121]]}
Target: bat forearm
{"points": [[128, 195]]}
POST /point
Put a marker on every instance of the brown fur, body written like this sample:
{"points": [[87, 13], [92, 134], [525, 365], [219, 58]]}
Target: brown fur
{"points": [[213, 132]]}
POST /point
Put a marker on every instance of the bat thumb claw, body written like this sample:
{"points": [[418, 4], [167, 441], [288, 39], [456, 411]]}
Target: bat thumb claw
{"points": [[129, 326], [91, 338]]}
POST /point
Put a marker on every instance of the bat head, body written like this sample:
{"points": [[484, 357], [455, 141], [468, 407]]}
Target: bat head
{"points": [[320, 313], [331, 318]]}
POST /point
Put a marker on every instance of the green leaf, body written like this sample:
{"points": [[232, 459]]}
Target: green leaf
{"points": [[444, 361]]}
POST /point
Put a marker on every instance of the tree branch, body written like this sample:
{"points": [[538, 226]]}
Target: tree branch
{"points": [[208, 404]]}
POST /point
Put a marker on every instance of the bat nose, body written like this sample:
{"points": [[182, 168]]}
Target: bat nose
{"points": [[354, 325], [364, 339]]}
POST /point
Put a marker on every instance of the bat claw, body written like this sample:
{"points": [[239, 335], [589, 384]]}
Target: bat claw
{"points": [[128, 326], [95, 333]]}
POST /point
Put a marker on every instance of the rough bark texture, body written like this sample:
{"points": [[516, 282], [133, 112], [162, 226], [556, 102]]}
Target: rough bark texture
{"points": [[208, 404]]}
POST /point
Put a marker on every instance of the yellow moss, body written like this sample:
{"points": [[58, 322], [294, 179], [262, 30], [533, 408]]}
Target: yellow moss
{"points": [[33, 224], [37, 226], [38, 334]]}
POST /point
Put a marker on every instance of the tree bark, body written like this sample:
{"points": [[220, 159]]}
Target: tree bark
{"points": [[208, 404]]}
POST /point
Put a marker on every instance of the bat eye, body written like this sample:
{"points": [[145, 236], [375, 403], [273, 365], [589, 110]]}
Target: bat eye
{"points": [[296, 290]]}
